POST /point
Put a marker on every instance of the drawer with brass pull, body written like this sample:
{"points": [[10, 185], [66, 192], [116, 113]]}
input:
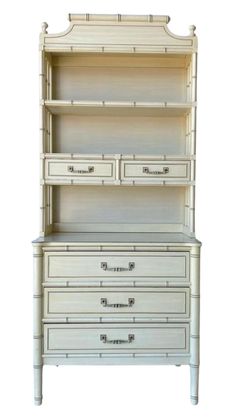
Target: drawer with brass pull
{"points": [[70, 302], [92, 170], [128, 338], [150, 170], [158, 266]]}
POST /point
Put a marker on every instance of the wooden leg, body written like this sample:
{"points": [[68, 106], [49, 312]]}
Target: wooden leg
{"points": [[38, 338], [194, 324], [194, 378], [38, 374]]}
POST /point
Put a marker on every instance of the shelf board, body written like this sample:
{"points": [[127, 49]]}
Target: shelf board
{"points": [[125, 156], [60, 107], [118, 238]]}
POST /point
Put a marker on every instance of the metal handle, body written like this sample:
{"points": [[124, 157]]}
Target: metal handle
{"points": [[104, 339], [117, 305], [72, 170], [117, 269], [155, 172]]}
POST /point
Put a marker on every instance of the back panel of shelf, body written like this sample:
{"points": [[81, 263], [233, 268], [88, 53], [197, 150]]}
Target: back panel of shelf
{"points": [[114, 77], [120, 208], [119, 134]]}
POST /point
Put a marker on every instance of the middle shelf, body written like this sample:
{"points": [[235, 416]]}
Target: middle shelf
{"points": [[114, 108]]}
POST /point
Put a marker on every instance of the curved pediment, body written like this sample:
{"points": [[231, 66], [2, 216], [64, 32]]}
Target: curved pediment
{"points": [[124, 33]]}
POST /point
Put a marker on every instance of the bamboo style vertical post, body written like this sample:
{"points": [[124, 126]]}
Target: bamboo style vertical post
{"points": [[37, 325], [195, 323], [42, 92]]}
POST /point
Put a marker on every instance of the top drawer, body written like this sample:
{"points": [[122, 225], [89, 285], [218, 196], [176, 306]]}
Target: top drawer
{"points": [[67, 170], [71, 266]]}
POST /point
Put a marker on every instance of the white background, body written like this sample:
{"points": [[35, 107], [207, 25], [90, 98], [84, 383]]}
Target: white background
{"points": [[118, 392]]}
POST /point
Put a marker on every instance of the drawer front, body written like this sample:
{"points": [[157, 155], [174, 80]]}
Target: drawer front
{"points": [[146, 170], [71, 266], [79, 169], [74, 338], [72, 302]]}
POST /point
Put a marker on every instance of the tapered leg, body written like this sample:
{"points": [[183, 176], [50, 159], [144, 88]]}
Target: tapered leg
{"points": [[195, 323], [38, 338], [38, 374], [194, 377]]}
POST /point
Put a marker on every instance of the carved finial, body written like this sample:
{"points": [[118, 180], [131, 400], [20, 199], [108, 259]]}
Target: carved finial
{"points": [[192, 29], [44, 27]]}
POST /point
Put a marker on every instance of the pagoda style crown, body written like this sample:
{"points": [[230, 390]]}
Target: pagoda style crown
{"points": [[118, 33]]}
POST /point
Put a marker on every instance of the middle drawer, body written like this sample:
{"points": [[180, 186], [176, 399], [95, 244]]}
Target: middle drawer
{"points": [[72, 302]]}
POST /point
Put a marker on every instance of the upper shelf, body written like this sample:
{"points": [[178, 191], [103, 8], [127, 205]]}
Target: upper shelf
{"points": [[119, 33], [127, 108]]}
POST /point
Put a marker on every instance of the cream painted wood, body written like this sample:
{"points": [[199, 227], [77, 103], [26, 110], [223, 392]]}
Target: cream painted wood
{"points": [[127, 207], [117, 260], [119, 83], [163, 265], [57, 171], [84, 60], [104, 134], [116, 359], [81, 171], [72, 338], [135, 241], [118, 108], [195, 324], [61, 303], [99, 33], [146, 170], [37, 324]]}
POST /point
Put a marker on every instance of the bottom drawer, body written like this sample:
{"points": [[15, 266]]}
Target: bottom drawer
{"points": [[91, 338]]}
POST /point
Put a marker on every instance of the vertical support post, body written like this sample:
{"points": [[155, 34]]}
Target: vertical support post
{"points": [[194, 99], [42, 135], [188, 81], [192, 210], [50, 76], [195, 322], [37, 324], [186, 207], [50, 208], [187, 135], [50, 150], [194, 77], [117, 169], [193, 131]]}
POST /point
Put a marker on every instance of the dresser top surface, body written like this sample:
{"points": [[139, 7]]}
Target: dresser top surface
{"points": [[118, 238]]}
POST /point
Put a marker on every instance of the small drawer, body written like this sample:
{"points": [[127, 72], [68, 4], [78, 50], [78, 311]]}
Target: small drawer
{"points": [[92, 338], [84, 169], [74, 302], [71, 266], [150, 170]]}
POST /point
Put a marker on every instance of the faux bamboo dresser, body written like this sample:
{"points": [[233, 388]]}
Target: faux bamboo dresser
{"points": [[116, 265]]}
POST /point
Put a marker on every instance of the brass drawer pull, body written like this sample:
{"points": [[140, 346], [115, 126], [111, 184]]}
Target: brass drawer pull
{"points": [[147, 171], [117, 269], [104, 339], [117, 305], [72, 170]]}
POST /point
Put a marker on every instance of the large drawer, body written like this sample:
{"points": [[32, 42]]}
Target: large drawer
{"points": [[74, 338], [150, 170], [69, 266], [73, 302], [82, 169]]}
